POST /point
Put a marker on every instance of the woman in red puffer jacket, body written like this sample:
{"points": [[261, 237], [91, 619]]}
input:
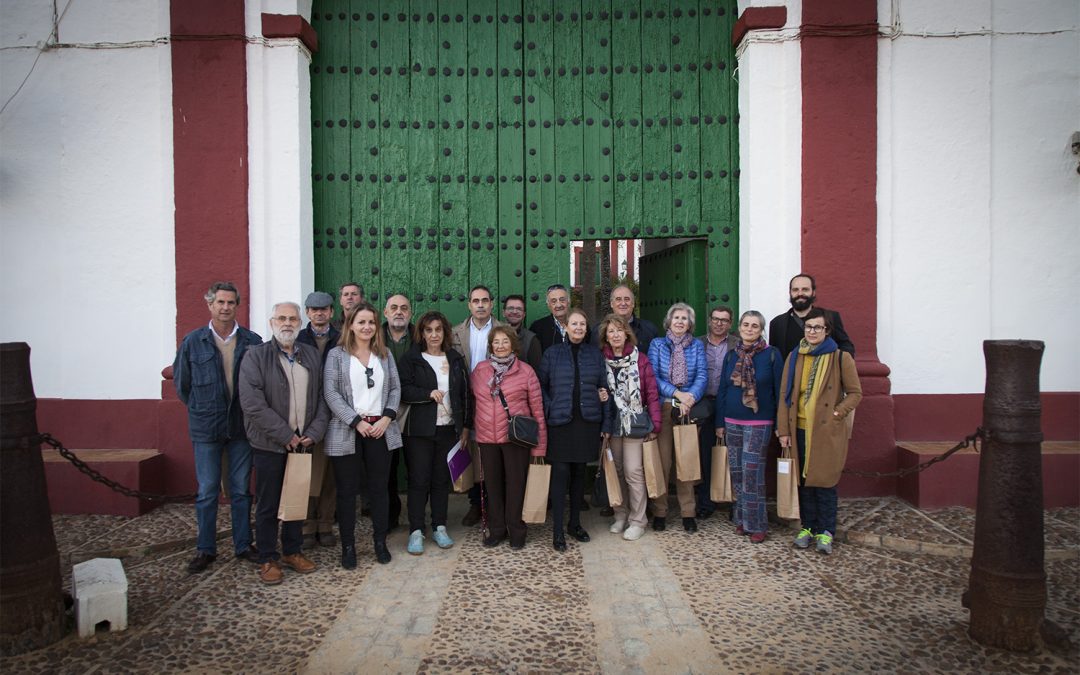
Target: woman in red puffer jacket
{"points": [[505, 465]]}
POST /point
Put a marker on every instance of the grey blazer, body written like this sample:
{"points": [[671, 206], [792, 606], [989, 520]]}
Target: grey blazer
{"points": [[337, 389]]}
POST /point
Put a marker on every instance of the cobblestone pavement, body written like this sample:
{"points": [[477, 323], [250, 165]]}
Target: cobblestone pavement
{"points": [[888, 599]]}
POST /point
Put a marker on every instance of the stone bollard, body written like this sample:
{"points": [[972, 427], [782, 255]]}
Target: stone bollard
{"points": [[33, 607], [1007, 587]]}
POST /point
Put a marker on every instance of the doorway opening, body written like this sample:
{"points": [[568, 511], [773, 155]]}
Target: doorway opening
{"points": [[659, 271]]}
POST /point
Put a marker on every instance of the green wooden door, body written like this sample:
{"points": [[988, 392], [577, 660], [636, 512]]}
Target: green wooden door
{"points": [[458, 143], [677, 274]]}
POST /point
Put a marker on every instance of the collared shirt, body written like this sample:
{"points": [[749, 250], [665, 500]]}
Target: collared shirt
{"points": [[478, 343], [714, 362], [228, 338], [317, 333]]}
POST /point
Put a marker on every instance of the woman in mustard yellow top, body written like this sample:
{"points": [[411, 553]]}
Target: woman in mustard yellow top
{"points": [[820, 389]]}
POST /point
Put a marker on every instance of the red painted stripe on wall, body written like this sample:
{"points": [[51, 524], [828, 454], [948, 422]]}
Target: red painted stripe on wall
{"points": [[950, 417], [210, 153]]}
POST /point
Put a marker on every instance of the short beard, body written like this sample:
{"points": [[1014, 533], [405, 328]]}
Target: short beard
{"points": [[803, 304], [283, 339]]}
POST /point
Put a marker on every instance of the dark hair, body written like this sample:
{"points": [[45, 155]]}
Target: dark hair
{"points": [[509, 332], [514, 296], [348, 340], [425, 319], [480, 287], [623, 325], [724, 308], [358, 285], [813, 282], [221, 286], [818, 313]]}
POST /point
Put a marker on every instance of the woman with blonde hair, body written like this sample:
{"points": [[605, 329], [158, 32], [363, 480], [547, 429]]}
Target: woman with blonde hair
{"points": [[362, 388], [633, 417]]}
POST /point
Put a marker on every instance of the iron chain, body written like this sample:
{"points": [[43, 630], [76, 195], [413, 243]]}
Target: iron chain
{"points": [[980, 435], [97, 477]]}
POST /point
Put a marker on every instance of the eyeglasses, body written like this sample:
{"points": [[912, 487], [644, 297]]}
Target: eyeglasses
{"points": [[370, 380], [715, 319], [813, 329]]}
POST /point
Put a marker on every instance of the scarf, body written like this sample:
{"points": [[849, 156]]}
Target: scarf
{"points": [[823, 356], [500, 366], [624, 383], [827, 346], [677, 372], [744, 376]]}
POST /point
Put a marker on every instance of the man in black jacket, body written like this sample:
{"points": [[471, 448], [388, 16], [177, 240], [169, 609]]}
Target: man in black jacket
{"points": [[320, 334], [786, 330], [551, 329]]}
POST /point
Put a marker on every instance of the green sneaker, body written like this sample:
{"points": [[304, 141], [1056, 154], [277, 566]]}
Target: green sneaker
{"points": [[824, 542], [803, 540]]}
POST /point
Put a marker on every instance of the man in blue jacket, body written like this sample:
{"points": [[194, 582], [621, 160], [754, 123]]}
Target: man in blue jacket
{"points": [[205, 373]]}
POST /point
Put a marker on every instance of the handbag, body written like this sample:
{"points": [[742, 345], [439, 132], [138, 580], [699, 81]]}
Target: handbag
{"points": [[522, 429], [640, 425], [699, 412]]}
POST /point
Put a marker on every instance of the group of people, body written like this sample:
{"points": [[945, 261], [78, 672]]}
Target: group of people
{"points": [[360, 392]]}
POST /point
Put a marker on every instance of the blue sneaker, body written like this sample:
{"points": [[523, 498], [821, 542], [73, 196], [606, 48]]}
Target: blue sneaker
{"points": [[416, 543], [442, 538]]}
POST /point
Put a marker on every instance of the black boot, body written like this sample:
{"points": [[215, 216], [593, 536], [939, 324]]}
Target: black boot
{"points": [[382, 554], [348, 556]]}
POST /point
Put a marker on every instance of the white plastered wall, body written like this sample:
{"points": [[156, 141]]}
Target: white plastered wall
{"points": [[87, 270], [770, 159], [978, 194], [279, 152]]}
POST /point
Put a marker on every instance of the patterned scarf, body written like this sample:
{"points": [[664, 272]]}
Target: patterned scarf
{"points": [[624, 382], [827, 346], [500, 366], [677, 373], [744, 375]]}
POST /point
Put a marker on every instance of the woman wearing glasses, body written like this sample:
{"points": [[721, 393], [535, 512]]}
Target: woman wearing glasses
{"points": [[505, 465], [820, 389], [361, 387], [435, 382], [745, 412]]}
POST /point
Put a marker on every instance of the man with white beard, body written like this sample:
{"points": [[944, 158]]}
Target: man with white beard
{"points": [[284, 411]]}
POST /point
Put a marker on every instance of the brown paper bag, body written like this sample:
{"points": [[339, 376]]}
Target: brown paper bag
{"points": [[534, 511], [611, 477], [687, 457], [720, 480], [296, 486], [654, 470], [787, 485]]}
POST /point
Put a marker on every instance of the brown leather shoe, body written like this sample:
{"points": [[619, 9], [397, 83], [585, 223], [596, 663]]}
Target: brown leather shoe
{"points": [[270, 573], [298, 562]]}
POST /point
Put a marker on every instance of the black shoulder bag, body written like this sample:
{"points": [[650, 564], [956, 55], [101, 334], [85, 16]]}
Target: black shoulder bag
{"points": [[522, 429]]}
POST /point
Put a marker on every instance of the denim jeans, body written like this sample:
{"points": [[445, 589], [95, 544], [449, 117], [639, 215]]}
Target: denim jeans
{"points": [[817, 505], [208, 476]]}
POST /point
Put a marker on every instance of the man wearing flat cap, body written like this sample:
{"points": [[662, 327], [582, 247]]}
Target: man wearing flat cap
{"points": [[320, 334]]}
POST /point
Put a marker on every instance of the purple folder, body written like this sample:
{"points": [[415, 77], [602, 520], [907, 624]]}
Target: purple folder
{"points": [[458, 460]]}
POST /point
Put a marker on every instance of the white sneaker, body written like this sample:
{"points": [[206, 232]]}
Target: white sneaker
{"points": [[617, 527], [633, 533]]}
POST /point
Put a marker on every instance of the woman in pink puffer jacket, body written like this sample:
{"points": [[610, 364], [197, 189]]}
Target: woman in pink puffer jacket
{"points": [[505, 465]]}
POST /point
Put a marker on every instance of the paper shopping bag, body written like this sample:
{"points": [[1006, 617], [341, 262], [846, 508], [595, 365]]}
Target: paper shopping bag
{"points": [[787, 485], [720, 480], [687, 457], [654, 470], [295, 487], [611, 477], [534, 511]]}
